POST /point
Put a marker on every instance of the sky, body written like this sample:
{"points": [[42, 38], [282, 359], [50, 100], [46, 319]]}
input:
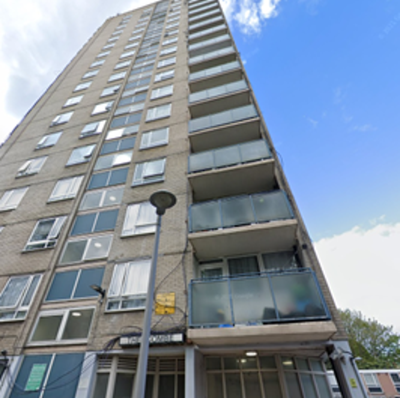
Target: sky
{"points": [[326, 77]]}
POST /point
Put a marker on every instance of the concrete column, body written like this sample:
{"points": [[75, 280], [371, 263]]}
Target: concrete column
{"points": [[194, 373], [87, 377], [10, 375], [346, 371]]}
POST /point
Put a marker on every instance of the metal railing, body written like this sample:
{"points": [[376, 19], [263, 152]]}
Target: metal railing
{"points": [[214, 70], [257, 299], [239, 210], [221, 118], [213, 92], [229, 156]]}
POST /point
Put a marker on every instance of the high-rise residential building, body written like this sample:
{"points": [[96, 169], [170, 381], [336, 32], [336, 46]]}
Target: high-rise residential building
{"points": [[158, 99]]}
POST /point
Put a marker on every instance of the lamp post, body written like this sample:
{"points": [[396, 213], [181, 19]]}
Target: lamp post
{"points": [[161, 200]]}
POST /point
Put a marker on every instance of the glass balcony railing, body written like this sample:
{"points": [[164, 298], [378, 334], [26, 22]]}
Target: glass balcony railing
{"points": [[204, 15], [225, 89], [193, 5], [266, 298], [212, 54], [205, 8], [252, 151], [221, 118], [239, 210], [214, 70], [210, 42], [205, 23], [207, 32]]}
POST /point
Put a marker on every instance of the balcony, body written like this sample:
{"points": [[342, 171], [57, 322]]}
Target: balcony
{"points": [[209, 23], [204, 16], [258, 308], [193, 5], [242, 225], [219, 99], [208, 33], [215, 76], [206, 46], [224, 128], [209, 6], [233, 170], [212, 58]]}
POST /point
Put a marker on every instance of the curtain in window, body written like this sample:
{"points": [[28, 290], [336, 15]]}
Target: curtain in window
{"points": [[244, 265]]}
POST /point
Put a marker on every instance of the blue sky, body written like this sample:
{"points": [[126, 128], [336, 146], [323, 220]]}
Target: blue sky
{"points": [[325, 73]]}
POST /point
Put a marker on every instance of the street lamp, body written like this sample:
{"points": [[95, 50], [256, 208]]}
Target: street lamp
{"points": [[161, 200]]}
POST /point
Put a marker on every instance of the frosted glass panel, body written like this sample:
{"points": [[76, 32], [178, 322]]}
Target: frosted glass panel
{"points": [[227, 156], [271, 206], [205, 216], [237, 211], [254, 151], [201, 161]]}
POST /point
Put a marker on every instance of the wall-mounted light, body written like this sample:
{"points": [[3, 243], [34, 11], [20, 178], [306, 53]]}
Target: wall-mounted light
{"points": [[99, 290]]}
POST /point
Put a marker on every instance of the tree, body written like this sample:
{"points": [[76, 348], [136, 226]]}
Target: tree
{"points": [[376, 344]]}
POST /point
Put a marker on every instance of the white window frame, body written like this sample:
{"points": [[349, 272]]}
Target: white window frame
{"points": [[70, 189], [143, 175], [107, 46], [104, 194], [132, 45], [82, 86], [65, 313], [52, 236], [123, 64], [165, 75], [111, 39], [12, 198], [49, 140], [127, 54], [133, 38], [134, 224], [104, 107], [73, 101], [129, 109], [122, 132], [147, 141], [97, 63], [166, 62], [169, 41], [133, 275], [116, 76], [161, 92], [172, 25], [103, 54], [31, 166], [89, 242], [61, 119], [91, 73], [18, 307], [93, 128], [158, 112], [85, 157], [110, 90]]}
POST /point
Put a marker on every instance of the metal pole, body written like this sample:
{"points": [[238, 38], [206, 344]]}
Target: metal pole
{"points": [[140, 379]]}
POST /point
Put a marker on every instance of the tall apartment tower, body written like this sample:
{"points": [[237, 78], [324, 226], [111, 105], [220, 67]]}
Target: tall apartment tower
{"points": [[158, 99]]}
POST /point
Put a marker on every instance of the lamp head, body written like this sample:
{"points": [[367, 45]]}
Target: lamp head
{"points": [[162, 200], [99, 290]]}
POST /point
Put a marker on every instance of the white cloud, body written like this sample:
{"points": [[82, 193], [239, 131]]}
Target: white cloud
{"points": [[362, 268], [228, 7], [268, 8], [313, 122], [249, 17], [363, 128]]}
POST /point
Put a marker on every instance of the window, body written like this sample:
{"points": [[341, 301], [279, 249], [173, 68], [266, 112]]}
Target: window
{"points": [[66, 189], [171, 33], [102, 108], [12, 198], [149, 172], [117, 32], [158, 112], [48, 140], [81, 155], [117, 159], [140, 218], [166, 62], [123, 64], [112, 134], [115, 38], [103, 198], [124, 120], [133, 38], [161, 92], [154, 138], [73, 101], [82, 86], [60, 119], [103, 54], [396, 380], [129, 109], [63, 325], [108, 178], [31, 166], [45, 233], [118, 145], [372, 382], [110, 90], [97, 63], [172, 19], [129, 285], [167, 51], [127, 54], [132, 45], [94, 222], [91, 73], [107, 46], [133, 99], [75, 284], [93, 128], [172, 25], [117, 76], [169, 41], [168, 74], [138, 31], [86, 249], [17, 296]]}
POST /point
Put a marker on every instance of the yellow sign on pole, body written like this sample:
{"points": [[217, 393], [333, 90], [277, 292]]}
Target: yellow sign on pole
{"points": [[353, 383], [165, 304]]}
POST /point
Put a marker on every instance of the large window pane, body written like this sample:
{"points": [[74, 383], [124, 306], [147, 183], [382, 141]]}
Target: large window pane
{"points": [[106, 220], [99, 247], [73, 251], [78, 324], [293, 385], [83, 224], [272, 387], [166, 387], [47, 328], [62, 286], [233, 385], [252, 385], [123, 385], [214, 386], [87, 278], [101, 385]]}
